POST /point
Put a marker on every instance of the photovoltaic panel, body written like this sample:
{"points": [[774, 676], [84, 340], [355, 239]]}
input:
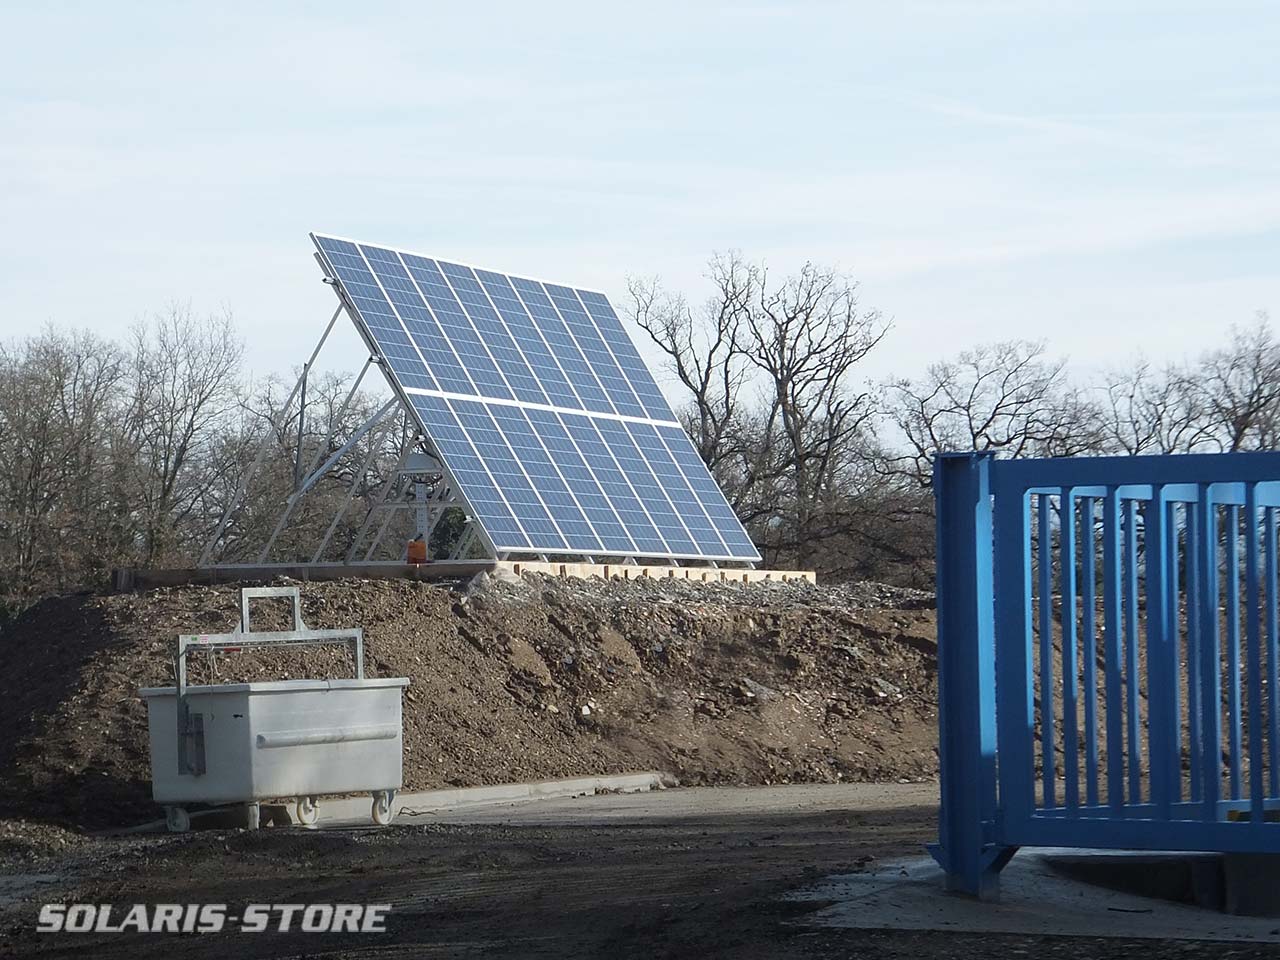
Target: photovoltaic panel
{"points": [[540, 408]]}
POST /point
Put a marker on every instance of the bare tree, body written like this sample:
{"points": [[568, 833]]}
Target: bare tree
{"points": [[1004, 396], [56, 394], [1238, 385], [805, 336], [703, 351], [1145, 410], [183, 379], [773, 410]]}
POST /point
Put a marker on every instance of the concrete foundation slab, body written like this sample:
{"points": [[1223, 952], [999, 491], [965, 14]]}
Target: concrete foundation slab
{"points": [[126, 579], [634, 571], [1251, 884], [1035, 899]]}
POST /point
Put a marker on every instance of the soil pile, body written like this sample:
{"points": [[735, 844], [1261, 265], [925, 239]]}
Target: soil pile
{"points": [[512, 679]]}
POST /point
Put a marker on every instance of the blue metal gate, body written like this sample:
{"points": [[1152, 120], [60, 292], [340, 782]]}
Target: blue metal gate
{"points": [[1107, 643]]}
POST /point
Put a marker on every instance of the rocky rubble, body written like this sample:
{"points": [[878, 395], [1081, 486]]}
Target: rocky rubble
{"points": [[23, 842], [762, 594], [512, 679]]}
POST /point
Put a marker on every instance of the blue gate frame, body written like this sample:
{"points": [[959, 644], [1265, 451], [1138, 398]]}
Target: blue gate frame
{"points": [[1093, 687]]}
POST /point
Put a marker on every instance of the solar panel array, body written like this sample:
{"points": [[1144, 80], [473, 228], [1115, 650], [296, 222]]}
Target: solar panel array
{"points": [[540, 408]]}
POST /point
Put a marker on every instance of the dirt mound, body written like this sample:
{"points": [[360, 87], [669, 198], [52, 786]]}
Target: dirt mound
{"points": [[522, 679]]}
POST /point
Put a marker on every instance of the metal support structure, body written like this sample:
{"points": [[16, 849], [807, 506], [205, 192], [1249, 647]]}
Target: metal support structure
{"points": [[300, 489], [390, 495], [392, 498], [302, 424], [355, 482], [388, 515], [207, 553], [428, 510], [315, 460], [441, 501], [355, 438], [463, 546], [966, 676]]}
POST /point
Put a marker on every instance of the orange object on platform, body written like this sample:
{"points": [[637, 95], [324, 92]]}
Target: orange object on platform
{"points": [[417, 551]]}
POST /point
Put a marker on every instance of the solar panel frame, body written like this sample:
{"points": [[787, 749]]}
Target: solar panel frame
{"points": [[521, 364]]}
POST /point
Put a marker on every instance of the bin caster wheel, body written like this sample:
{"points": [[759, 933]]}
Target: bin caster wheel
{"points": [[307, 810], [177, 819], [382, 812]]}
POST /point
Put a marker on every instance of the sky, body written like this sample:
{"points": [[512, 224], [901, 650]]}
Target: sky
{"points": [[1104, 176]]}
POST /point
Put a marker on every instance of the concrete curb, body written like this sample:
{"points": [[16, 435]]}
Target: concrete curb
{"points": [[412, 805], [336, 810]]}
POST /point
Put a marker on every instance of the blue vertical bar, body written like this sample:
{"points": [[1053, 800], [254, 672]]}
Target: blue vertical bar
{"points": [[1090, 640], [1273, 643], [966, 674], [1131, 693], [1015, 684], [1044, 561], [1195, 589], [1070, 666], [1173, 626], [1210, 766], [1253, 646], [1233, 646], [1113, 667], [1161, 720]]}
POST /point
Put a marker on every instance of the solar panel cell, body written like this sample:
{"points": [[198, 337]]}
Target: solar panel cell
{"points": [[677, 488], [614, 484], [493, 333], [581, 481], [545, 478], [708, 493], [595, 351], [384, 326], [510, 478], [542, 363], [626, 355], [563, 346], [448, 312], [427, 336], [639, 474], [482, 495]]}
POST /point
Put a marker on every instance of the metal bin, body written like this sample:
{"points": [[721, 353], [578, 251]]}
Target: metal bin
{"points": [[242, 743]]}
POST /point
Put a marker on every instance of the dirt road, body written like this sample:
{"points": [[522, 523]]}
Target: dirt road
{"points": [[686, 873]]}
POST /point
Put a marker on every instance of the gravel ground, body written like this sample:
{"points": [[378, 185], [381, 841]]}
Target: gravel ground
{"points": [[708, 881], [24, 843]]}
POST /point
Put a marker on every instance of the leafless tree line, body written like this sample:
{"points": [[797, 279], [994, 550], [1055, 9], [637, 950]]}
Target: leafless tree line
{"points": [[831, 471], [128, 454]]}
